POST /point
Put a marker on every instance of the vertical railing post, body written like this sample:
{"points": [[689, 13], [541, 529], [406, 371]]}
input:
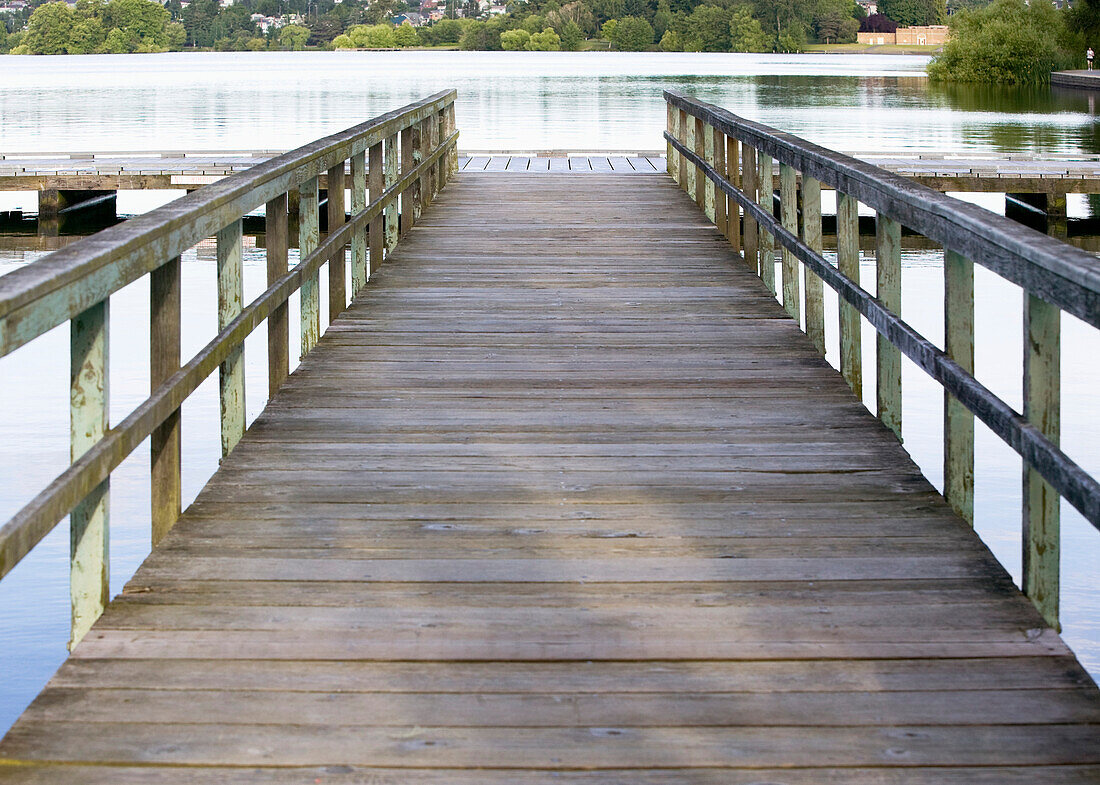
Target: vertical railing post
{"points": [[749, 188], [89, 407], [440, 168], [230, 303], [682, 136], [958, 421], [1042, 395], [788, 215], [811, 235], [704, 142], [700, 148], [389, 168], [337, 265], [672, 156], [766, 186], [718, 161], [888, 292], [411, 156], [376, 184], [359, 236], [426, 182], [309, 236], [449, 128], [847, 257], [164, 360], [689, 143], [733, 210], [277, 240]]}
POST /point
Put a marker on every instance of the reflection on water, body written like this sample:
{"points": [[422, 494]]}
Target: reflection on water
{"points": [[506, 101]]}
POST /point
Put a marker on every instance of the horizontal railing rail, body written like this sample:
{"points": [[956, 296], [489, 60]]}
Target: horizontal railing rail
{"points": [[398, 161], [726, 163]]}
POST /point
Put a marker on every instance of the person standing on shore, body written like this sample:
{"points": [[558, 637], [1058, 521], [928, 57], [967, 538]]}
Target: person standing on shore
{"points": [[1089, 54]]}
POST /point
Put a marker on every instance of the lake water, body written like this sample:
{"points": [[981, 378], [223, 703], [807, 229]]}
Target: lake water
{"points": [[507, 101]]}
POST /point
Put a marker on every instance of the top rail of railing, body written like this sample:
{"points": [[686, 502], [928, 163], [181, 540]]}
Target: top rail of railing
{"points": [[726, 163]]}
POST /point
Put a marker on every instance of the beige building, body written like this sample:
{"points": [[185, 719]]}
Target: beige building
{"points": [[928, 35]]}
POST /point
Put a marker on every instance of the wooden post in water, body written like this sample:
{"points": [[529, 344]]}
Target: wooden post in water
{"points": [[766, 185], [389, 168], [89, 406], [411, 156], [888, 292], [359, 237], [718, 161], [230, 297], [748, 187], [733, 210], [811, 235], [277, 234], [1042, 395], [788, 213], [164, 360], [847, 256], [337, 265], [672, 156], [309, 236], [375, 183], [958, 421]]}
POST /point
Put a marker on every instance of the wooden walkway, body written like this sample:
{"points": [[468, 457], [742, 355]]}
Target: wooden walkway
{"points": [[565, 498]]}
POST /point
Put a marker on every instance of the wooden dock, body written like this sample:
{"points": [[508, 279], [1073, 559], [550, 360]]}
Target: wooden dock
{"points": [[565, 497]]}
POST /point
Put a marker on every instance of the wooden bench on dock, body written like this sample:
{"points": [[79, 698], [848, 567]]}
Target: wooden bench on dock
{"points": [[563, 494]]}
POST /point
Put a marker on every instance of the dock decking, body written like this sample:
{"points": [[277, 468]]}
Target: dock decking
{"points": [[565, 497]]}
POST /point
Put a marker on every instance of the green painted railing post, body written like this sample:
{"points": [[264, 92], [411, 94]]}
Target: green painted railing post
{"points": [[89, 405], [309, 236], [672, 156], [411, 156], [337, 265], [766, 199], [277, 240], [847, 254], [733, 210], [788, 214], [811, 235], [359, 237], [958, 421], [164, 360], [389, 168], [888, 292], [704, 136], [376, 183], [230, 303], [718, 145], [751, 233], [1042, 395]]}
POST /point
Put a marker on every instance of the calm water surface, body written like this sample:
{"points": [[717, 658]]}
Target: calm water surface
{"points": [[509, 101]]}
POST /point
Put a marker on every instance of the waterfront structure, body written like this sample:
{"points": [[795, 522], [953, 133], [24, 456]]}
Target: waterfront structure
{"points": [[922, 35]]}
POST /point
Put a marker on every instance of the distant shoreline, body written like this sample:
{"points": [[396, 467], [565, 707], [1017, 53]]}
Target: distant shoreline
{"points": [[812, 49]]}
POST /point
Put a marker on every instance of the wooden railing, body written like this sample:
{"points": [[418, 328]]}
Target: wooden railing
{"points": [[726, 163], [398, 162]]}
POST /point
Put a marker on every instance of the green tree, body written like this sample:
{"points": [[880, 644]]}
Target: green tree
{"points": [[835, 28], [405, 35], [633, 34], [177, 36], [199, 19], [609, 30], [914, 12], [670, 42], [343, 41], [571, 36], [484, 36], [546, 41], [48, 29], [514, 40], [1007, 42], [86, 37], [4, 35], [294, 37], [707, 29], [372, 36], [746, 34], [662, 19]]}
